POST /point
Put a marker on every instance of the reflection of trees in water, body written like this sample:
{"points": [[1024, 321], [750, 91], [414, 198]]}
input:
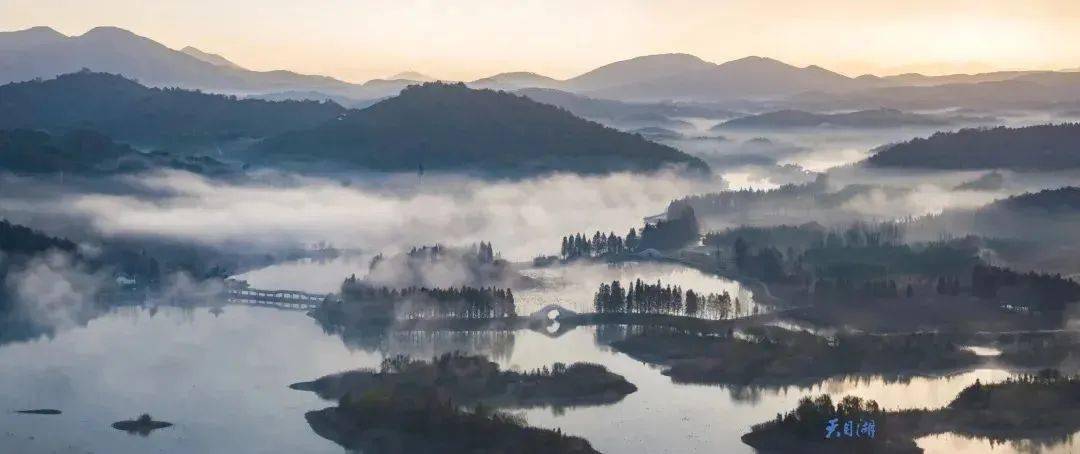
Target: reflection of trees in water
{"points": [[1043, 444], [608, 333], [495, 344]]}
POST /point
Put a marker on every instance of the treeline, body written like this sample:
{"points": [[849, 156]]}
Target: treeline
{"points": [[25, 151], [672, 233], [845, 290], [1040, 147], [600, 245], [17, 239], [812, 236], [1043, 292], [421, 302], [728, 202], [857, 254], [123, 109], [1047, 385], [810, 420], [644, 298], [474, 127]]}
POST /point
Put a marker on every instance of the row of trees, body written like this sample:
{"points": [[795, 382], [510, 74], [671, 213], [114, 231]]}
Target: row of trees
{"points": [[1044, 291], [644, 298], [680, 229], [600, 245], [844, 290], [809, 420], [423, 302]]}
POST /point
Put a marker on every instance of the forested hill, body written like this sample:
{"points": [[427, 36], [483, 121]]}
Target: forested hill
{"points": [[451, 127], [127, 111], [19, 240], [1043, 147], [1051, 201], [28, 152], [875, 118]]}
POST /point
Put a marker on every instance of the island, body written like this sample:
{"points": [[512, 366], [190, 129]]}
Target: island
{"points": [[772, 356], [142, 425], [422, 422], [40, 411], [1045, 405], [470, 379], [445, 405]]}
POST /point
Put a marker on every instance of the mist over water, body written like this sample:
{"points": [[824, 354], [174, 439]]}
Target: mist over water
{"points": [[521, 218]]}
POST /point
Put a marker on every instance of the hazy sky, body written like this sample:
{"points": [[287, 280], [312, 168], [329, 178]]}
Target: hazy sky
{"points": [[464, 39]]}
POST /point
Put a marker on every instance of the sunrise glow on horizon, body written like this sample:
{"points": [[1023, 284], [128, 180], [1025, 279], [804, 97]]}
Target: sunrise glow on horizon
{"points": [[361, 40]]}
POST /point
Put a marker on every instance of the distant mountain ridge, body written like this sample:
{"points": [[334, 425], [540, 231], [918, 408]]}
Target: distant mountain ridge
{"points": [[874, 118], [515, 80], [213, 59], [126, 110], [42, 52], [1041, 147], [439, 126]]}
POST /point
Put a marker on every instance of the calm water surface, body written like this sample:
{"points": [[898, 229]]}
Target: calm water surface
{"points": [[223, 380]]}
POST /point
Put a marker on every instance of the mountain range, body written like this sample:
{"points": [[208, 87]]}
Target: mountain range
{"points": [[437, 126], [441, 126], [1031, 148], [863, 119], [42, 52], [151, 117]]}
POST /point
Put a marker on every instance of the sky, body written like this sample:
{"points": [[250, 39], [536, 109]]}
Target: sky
{"points": [[466, 39]]}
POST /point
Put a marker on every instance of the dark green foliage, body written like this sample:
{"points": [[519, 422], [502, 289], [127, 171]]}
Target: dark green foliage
{"points": [[876, 118], [808, 420], [780, 236], [422, 421], [26, 151], [774, 356], [1040, 291], [867, 261], [1042, 147], [451, 127], [421, 302], [1049, 201], [601, 245], [20, 240], [125, 110], [679, 229], [744, 200], [645, 298]]}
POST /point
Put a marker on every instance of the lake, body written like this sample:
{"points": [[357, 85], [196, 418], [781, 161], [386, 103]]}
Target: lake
{"points": [[222, 379]]}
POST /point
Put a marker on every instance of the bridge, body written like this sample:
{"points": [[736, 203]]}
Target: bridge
{"points": [[284, 299]]}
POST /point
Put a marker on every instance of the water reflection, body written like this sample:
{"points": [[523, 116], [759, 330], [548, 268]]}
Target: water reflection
{"points": [[573, 286], [960, 444], [223, 381]]}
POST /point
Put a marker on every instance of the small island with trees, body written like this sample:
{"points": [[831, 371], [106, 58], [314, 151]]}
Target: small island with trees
{"points": [[1040, 406]]}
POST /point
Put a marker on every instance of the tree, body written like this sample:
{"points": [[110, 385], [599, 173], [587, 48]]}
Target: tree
{"points": [[741, 251]]}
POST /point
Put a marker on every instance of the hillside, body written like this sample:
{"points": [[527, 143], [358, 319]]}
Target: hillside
{"points": [[125, 110], [1051, 201], [636, 70], [42, 52], [26, 152], [875, 118], [451, 127], [514, 81], [1042, 147], [213, 59], [746, 78], [607, 109]]}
